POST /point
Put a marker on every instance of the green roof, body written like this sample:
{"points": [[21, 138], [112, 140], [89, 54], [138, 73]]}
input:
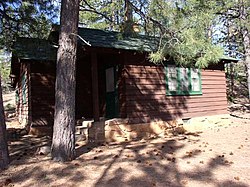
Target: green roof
{"points": [[35, 49], [111, 39], [40, 49], [228, 58]]}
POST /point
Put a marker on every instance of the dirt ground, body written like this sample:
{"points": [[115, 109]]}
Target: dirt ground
{"points": [[217, 156]]}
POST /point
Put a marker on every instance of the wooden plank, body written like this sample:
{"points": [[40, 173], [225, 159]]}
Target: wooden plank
{"points": [[165, 106], [145, 111], [162, 92], [144, 81], [147, 75], [184, 107], [213, 82], [212, 86], [163, 96], [162, 89], [213, 78]]}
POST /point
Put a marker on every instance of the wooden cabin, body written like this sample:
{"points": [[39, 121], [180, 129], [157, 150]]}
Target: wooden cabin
{"points": [[114, 79]]}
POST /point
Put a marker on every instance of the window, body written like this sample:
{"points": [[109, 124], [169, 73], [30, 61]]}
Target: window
{"points": [[183, 81]]}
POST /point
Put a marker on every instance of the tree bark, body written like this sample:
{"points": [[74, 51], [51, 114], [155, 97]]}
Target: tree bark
{"points": [[4, 153], [63, 142], [248, 70], [246, 39]]}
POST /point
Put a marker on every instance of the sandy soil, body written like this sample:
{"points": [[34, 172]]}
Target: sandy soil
{"points": [[218, 156]]}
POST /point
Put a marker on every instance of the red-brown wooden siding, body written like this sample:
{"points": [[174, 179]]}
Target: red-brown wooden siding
{"points": [[42, 92], [146, 97]]}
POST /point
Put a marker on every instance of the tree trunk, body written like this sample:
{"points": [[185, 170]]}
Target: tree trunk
{"points": [[4, 154], [246, 43], [63, 143], [248, 72], [246, 40]]}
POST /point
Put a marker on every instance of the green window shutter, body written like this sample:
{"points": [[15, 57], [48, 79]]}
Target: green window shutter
{"points": [[182, 81]]}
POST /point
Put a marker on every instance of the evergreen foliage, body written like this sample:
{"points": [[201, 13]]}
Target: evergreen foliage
{"points": [[5, 70], [184, 27], [30, 18]]}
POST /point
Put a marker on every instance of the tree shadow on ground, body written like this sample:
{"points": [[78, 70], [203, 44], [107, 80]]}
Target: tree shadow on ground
{"points": [[134, 163]]}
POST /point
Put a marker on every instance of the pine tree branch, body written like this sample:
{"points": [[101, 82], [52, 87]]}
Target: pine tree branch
{"points": [[93, 10]]}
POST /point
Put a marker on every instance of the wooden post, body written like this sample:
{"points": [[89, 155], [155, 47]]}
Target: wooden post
{"points": [[95, 94]]}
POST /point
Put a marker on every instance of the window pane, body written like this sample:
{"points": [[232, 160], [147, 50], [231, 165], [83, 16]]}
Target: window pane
{"points": [[184, 79], [172, 85], [172, 73], [194, 73], [195, 85], [172, 78], [195, 80]]}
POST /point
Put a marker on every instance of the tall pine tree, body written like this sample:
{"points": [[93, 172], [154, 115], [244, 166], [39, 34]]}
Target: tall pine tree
{"points": [[63, 143]]}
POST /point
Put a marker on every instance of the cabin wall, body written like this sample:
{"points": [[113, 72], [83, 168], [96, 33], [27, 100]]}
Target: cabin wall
{"points": [[22, 95], [43, 75], [146, 98], [42, 93]]}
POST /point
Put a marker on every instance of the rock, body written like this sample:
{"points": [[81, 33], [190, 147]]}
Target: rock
{"points": [[44, 150]]}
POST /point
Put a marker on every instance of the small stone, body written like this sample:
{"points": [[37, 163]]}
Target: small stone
{"points": [[184, 182], [169, 159], [44, 150], [138, 161], [201, 162], [95, 157], [231, 153], [237, 178]]}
